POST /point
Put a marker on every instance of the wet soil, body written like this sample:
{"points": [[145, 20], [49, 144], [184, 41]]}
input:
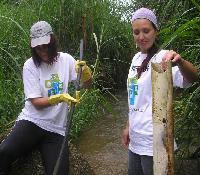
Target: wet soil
{"points": [[101, 145]]}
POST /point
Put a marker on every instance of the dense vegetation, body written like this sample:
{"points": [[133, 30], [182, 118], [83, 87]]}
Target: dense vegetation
{"points": [[105, 27]]}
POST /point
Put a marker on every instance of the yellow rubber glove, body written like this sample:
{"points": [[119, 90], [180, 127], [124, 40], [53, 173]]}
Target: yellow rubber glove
{"points": [[54, 99], [86, 71], [68, 99]]}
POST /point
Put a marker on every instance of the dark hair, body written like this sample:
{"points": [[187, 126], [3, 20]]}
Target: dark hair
{"points": [[52, 52], [154, 26], [150, 53]]}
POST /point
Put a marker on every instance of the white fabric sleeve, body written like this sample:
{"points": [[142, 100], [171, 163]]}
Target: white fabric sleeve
{"points": [[178, 80], [31, 83], [72, 72]]}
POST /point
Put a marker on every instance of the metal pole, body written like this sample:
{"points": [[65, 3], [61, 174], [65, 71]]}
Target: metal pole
{"points": [[69, 119]]}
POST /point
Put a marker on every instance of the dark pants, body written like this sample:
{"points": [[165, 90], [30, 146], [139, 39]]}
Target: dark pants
{"points": [[139, 164], [26, 136]]}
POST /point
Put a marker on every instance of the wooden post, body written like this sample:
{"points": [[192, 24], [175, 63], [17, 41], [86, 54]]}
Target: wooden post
{"points": [[163, 124], [84, 30]]}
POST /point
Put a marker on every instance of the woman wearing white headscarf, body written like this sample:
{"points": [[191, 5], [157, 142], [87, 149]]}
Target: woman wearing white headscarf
{"points": [[138, 133]]}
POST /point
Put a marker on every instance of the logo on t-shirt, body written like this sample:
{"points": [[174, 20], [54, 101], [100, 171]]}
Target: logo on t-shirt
{"points": [[55, 85], [132, 89], [135, 68]]}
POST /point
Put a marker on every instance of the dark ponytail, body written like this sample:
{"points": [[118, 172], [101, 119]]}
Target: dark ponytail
{"points": [[150, 53]]}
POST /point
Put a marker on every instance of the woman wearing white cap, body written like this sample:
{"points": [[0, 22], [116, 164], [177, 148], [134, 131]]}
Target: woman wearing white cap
{"points": [[138, 134], [41, 124]]}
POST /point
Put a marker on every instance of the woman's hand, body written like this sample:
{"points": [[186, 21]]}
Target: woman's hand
{"points": [[125, 136], [187, 69], [172, 56]]}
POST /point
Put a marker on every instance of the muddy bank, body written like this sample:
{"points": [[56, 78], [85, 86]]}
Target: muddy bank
{"points": [[31, 164]]}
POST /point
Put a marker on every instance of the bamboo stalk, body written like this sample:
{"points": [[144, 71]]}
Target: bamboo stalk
{"points": [[84, 31], [163, 141]]}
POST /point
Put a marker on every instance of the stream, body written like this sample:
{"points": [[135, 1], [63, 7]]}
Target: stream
{"points": [[101, 144]]}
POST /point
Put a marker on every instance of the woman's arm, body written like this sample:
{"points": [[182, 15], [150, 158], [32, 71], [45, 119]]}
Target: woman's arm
{"points": [[41, 102], [187, 69], [125, 135]]}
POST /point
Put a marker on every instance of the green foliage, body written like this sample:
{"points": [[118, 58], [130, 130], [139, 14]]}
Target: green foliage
{"points": [[93, 104], [11, 100], [188, 123]]}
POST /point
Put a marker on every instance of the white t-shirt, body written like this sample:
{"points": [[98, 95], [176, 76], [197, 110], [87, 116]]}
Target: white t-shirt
{"points": [[140, 103], [44, 81]]}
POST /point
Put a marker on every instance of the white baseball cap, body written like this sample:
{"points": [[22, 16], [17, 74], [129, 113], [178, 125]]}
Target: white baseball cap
{"points": [[40, 33]]}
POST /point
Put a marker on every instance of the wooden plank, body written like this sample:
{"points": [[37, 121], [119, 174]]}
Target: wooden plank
{"points": [[163, 124]]}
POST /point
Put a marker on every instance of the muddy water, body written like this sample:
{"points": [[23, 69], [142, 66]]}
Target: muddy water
{"points": [[101, 145]]}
